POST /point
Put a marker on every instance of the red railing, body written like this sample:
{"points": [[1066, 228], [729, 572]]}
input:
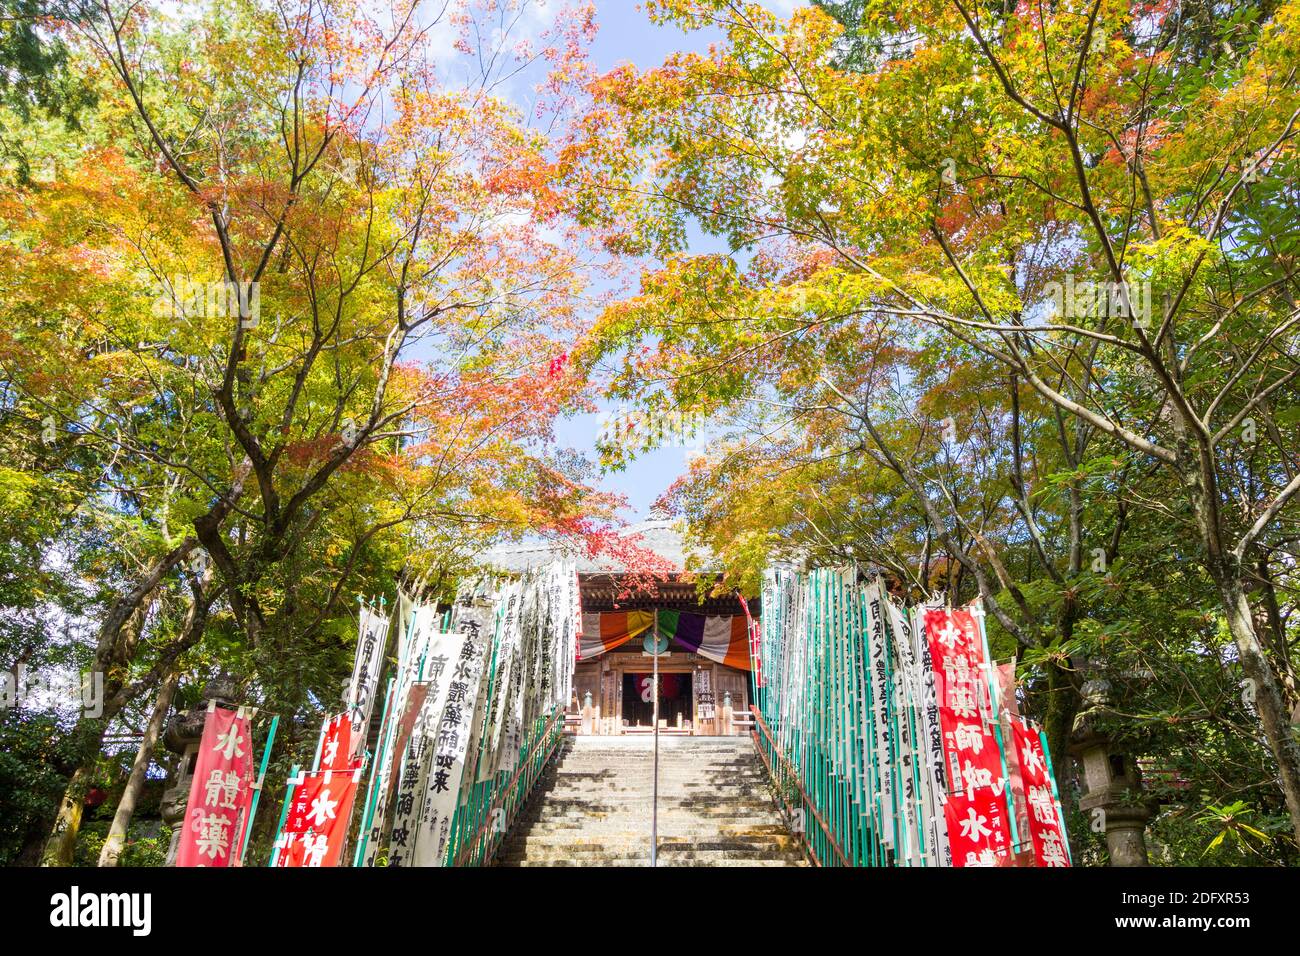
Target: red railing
{"points": [[513, 797], [765, 744]]}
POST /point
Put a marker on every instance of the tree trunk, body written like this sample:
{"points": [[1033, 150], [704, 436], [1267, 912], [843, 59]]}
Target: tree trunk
{"points": [[88, 734], [63, 836], [1059, 711], [1228, 576], [1272, 709], [1271, 627], [116, 841], [114, 658]]}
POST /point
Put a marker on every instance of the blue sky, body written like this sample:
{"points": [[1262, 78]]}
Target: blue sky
{"points": [[627, 35]]}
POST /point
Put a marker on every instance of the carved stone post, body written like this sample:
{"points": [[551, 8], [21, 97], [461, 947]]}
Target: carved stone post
{"points": [[588, 714], [184, 731], [1112, 784]]}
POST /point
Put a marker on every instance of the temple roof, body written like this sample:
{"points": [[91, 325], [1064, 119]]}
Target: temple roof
{"points": [[601, 580]]}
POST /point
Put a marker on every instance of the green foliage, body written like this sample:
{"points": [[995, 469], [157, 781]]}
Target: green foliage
{"points": [[32, 751], [146, 845], [903, 188]]}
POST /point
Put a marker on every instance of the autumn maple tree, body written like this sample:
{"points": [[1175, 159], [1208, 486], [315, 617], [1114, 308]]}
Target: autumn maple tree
{"points": [[1089, 208], [307, 291]]}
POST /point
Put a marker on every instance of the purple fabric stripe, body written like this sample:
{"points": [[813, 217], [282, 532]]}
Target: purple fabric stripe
{"points": [[690, 630]]}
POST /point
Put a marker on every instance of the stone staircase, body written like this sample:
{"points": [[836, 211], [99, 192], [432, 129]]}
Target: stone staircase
{"points": [[592, 807]]}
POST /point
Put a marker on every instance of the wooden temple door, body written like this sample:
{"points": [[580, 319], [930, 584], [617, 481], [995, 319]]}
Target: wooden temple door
{"points": [[611, 700], [705, 698], [586, 680], [735, 683]]}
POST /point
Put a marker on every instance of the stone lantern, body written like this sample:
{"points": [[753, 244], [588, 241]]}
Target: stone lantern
{"points": [[182, 736], [1110, 782]]}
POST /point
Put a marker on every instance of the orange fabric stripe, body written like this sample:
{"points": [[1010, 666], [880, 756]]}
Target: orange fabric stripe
{"points": [[738, 649]]}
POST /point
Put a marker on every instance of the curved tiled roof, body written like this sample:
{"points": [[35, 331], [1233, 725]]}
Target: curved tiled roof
{"points": [[600, 577]]}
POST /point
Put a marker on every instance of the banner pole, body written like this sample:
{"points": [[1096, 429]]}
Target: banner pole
{"points": [[654, 805], [284, 813], [372, 790], [320, 743], [257, 788], [1056, 796]]}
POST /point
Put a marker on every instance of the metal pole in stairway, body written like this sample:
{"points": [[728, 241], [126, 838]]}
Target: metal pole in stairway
{"points": [[654, 800]]}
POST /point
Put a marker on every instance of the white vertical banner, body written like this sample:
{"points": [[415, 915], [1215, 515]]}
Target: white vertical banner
{"points": [[553, 650], [441, 652], [372, 841], [528, 623], [505, 645], [372, 640], [452, 734], [406, 801], [877, 650], [792, 692], [420, 642], [908, 715], [373, 798], [568, 655], [866, 727], [408, 607], [936, 784], [844, 618]]}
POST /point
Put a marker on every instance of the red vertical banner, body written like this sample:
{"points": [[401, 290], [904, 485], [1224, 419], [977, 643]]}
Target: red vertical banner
{"points": [[317, 824], [957, 656], [976, 810], [971, 749], [221, 792], [755, 643], [338, 744], [978, 830], [1046, 828]]}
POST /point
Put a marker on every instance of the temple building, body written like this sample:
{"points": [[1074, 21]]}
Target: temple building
{"points": [[704, 669]]}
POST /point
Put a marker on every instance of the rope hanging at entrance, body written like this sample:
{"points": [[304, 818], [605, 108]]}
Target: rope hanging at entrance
{"points": [[723, 639], [601, 633]]}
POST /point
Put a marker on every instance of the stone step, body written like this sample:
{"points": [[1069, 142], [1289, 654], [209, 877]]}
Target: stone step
{"points": [[681, 828], [537, 844], [593, 807], [667, 791], [692, 777], [687, 777], [739, 818], [645, 862], [598, 818], [667, 785], [701, 802], [668, 797], [696, 775], [643, 859]]}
